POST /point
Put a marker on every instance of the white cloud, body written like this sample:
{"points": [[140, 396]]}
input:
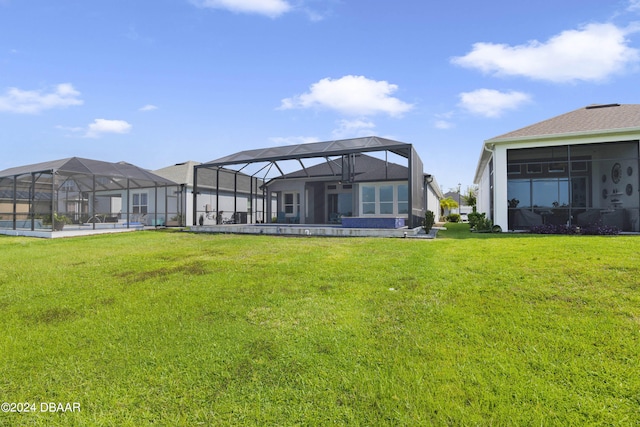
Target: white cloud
{"points": [[353, 129], [443, 121], [591, 53], [443, 124], [148, 107], [34, 101], [492, 103], [102, 126], [70, 128], [634, 6], [351, 95], [293, 140], [270, 8]]}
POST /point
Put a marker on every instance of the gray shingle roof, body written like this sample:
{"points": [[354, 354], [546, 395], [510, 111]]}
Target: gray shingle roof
{"points": [[592, 118], [181, 173], [366, 168]]}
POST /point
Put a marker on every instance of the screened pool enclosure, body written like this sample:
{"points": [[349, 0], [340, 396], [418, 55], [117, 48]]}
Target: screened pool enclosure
{"points": [[326, 182], [81, 193]]}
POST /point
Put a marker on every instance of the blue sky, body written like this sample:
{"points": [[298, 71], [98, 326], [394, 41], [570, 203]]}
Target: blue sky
{"points": [[159, 82]]}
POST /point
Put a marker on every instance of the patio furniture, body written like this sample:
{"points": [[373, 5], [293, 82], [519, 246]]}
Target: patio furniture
{"points": [[525, 219]]}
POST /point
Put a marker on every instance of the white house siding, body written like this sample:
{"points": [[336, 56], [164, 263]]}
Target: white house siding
{"points": [[483, 202]]}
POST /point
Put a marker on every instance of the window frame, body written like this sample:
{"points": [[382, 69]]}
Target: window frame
{"points": [[378, 204]]}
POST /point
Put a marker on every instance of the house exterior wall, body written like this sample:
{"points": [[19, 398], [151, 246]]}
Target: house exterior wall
{"points": [[605, 150], [432, 200], [314, 194], [248, 208], [500, 214], [483, 202]]}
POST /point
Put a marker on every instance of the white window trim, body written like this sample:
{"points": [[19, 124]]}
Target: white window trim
{"points": [[296, 204], [139, 204], [377, 186]]}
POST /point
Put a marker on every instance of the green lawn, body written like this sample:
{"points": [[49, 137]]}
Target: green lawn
{"points": [[170, 328]]}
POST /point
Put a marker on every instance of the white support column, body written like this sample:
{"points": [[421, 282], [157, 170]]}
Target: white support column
{"points": [[500, 201]]}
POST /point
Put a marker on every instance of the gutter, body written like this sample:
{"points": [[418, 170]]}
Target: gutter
{"points": [[567, 135], [484, 159]]}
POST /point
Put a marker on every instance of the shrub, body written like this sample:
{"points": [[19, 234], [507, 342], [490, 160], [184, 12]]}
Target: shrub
{"points": [[429, 220], [554, 229], [454, 217], [474, 217], [479, 222], [593, 229], [600, 230]]}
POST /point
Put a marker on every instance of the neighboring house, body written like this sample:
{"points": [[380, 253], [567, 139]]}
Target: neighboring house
{"points": [[224, 196], [458, 198], [345, 182], [433, 195], [85, 192], [579, 168]]}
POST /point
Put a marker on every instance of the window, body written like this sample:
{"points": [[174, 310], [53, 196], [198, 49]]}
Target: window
{"points": [[534, 168], [558, 167], [384, 199], [403, 199], [550, 192], [291, 203], [579, 166], [140, 203], [513, 169], [368, 200], [538, 193], [519, 193]]}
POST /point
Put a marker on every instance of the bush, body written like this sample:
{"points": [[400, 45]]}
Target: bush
{"points": [[554, 229], [474, 217], [429, 220], [479, 222], [600, 230], [454, 217], [593, 229]]}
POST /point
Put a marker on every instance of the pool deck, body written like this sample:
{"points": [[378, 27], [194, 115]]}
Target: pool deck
{"points": [[301, 230], [313, 230], [72, 230]]}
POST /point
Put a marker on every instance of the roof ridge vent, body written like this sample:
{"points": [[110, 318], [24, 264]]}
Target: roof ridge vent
{"points": [[594, 106]]}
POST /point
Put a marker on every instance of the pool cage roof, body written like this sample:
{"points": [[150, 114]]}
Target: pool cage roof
{"points": [[313, 150], [346, 148], [117, 173], [31, 195]]}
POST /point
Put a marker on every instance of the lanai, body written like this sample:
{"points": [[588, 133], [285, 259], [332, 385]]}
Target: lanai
{"points": [[84, 192], [339, 156]]}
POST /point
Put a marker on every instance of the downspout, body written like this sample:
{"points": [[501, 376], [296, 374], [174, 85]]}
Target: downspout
{"points": [[128, 204], [218, 195], [53, 197], [250, 207], [92, 201], [235, 198], [15, 204], [194, 214]]}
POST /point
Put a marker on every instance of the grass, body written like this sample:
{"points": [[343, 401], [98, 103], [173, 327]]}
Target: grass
{"points": [[183, 329]]}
